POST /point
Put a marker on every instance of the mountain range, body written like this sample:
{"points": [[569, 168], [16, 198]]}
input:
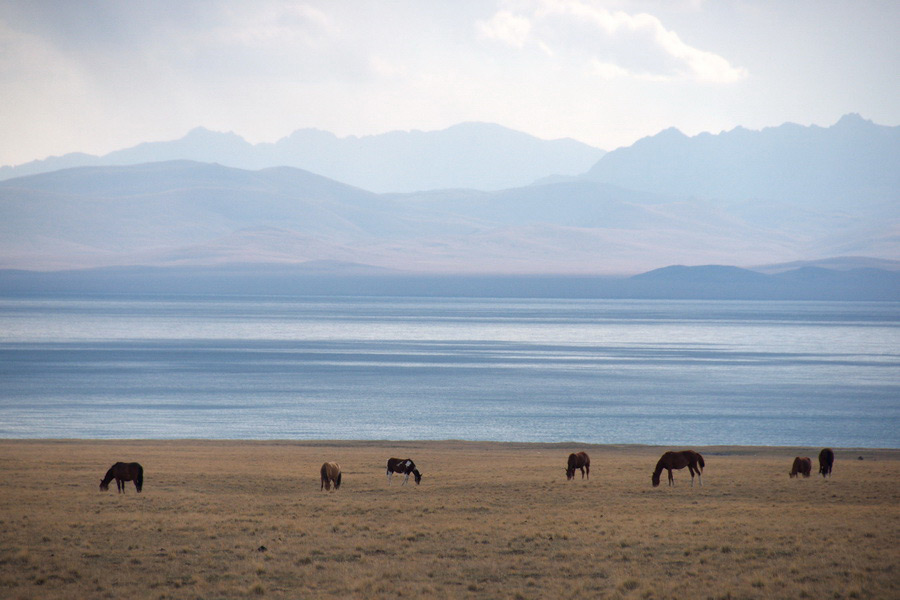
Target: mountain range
{"points": [[328, 278], [852, 162], [655, 207], [469, 155]]}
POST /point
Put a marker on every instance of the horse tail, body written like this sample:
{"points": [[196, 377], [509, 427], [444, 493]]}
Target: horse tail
{"points": [[139, 478], [700, 461], [337, 482]]}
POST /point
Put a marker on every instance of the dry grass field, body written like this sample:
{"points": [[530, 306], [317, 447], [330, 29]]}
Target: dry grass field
{"points": [[247, 519]]}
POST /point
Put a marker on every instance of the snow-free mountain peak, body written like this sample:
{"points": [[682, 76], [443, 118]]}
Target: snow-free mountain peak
{"points": [[482, 156]]}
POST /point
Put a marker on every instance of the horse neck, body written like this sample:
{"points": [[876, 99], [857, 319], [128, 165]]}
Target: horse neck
{"points": [[659, 467], [107, 478]]}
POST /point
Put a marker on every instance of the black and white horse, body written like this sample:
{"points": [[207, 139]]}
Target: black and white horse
{"points": [[404, 466]]}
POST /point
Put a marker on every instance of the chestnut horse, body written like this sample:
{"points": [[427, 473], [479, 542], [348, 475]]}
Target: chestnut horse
{"points": [[331, 473], [679, 460], [404, 466], [826, 461], [123, 472], [802, 466], [579, 461]]}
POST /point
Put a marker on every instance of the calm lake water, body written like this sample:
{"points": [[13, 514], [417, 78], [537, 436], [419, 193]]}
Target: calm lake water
{"points": [[648, 372]]}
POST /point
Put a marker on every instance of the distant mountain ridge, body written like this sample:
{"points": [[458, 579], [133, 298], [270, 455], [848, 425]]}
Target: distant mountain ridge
{"points": [[469, 155], [183, 213], [788, 194], [711, 282], [852, 162]]}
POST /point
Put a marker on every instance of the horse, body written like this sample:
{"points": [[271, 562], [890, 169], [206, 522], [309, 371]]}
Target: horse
{"points": [[123, 472], [331, 473], [679, 460], [802, 466], [404, 467], [826, 461], [579, 461]]}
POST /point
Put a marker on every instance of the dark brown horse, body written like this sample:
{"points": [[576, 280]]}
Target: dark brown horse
{"points": [[802, 466], [679, 460], [123, 472], [826, 461], [331, 473], [579, 461], [404, 466]]}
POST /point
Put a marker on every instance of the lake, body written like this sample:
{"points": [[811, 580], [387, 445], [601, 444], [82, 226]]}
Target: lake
{"points": [[672, 373]]}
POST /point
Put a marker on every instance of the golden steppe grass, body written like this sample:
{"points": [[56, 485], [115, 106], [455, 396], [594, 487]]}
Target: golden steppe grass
{"points": [[247, 519]]}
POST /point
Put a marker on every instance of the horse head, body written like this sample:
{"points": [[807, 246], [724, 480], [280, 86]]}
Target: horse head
{"points": [[418, 476], [654, 478], [104, 486], [570, 474]]}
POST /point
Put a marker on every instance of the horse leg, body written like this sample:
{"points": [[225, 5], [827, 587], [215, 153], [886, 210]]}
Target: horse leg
{"points": [[390, 474], [588, 469], [671, 478], [405, 479]]}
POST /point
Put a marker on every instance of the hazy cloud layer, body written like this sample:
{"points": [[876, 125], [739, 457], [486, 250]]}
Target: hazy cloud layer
{"points": [[610, 43], [99, 75]]}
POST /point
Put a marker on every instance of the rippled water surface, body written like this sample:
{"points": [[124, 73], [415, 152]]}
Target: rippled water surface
{"points": [[655, 372]]}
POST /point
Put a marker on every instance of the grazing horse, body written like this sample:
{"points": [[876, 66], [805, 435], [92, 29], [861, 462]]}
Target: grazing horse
{"points": [[404, 467], [331, 473], [579, 461], [802, 466], [826, 461], [679, 460], [123, 472]]}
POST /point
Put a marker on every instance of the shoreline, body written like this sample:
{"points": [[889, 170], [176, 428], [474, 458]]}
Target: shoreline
{"points": [[712, 449]]}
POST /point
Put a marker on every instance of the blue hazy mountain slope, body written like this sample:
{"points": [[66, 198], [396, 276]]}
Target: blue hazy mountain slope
{"points": [[188, 213], [468, 155], [328, 279], [161, 211], [852, 162]]}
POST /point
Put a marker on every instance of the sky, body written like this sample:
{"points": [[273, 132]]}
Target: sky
{"points": [[96, 76]]}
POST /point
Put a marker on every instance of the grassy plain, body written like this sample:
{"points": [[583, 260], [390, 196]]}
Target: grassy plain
{"points": [[247, 519]]}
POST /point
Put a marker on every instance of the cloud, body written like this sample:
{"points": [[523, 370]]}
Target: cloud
{"points": [[506, 27], [610, 44]]}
